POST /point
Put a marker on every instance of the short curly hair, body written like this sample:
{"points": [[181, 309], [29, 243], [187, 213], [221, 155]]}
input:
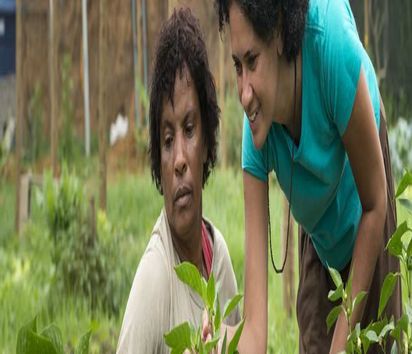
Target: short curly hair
{"points": [[181, 45], [265, 17]]}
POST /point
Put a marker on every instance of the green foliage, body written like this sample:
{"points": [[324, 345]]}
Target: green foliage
{"points": [[400, 137], [69, 145], [185, 336], [85, 252], [48, 341], [360, 339], [233, 124]]}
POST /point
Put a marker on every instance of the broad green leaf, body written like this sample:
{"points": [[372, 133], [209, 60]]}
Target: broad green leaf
{"points": [[395, 243], [190, 275], [337, 279], [408, 311], [218, 314], [333, 316], [358, 299], [401, 326], [231, 304], [394, 349], [336, 294], [211, 291], [404, 183], [83, 345], [179, 338], [386, 291], [235, 340], [22, 344], [406, 203], [53, 333], [36, 343]]}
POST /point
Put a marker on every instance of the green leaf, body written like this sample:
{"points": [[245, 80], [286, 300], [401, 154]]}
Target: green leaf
{"points": [[22, 344], [218, 314], [386, 291], [179, 338], [337, 279], [83, 345], [190, 275], [394, 349], [358, 299], [336, 294], [406, 203], [395, 245], [401, 326], [389, 327], [211, 291], [224, 343], [404, 183], [36, 343], [372, 337], [235, 340], [231, 304], [53, 333], [333, 316]]}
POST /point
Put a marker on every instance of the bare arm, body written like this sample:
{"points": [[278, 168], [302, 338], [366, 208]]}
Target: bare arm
{"points": [[362, 145], [254, 336]]}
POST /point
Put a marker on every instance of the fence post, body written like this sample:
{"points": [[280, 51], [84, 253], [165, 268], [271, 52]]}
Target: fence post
{"points": [[102, 107]]}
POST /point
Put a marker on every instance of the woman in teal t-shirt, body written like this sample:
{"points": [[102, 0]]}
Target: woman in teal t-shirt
{"points": [[313, 115]]}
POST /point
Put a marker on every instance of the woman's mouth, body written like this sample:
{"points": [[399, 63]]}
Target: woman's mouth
{"points": [[182, 196], [253, 116]]}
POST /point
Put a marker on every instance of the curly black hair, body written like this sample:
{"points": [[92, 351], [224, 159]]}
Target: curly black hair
{"points": [[181, 45], [267, 15]]}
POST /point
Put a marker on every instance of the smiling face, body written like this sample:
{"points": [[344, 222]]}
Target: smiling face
{"points": [[257, 71], [182, 155]]}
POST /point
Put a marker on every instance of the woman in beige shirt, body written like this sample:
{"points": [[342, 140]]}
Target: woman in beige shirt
{"points": [[184, 120]]}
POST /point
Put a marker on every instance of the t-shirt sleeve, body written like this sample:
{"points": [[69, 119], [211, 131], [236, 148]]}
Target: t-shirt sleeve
{"points": [[144, 321], [341, 63], [253, 160]]}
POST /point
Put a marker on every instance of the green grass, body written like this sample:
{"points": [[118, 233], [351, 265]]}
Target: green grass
{"points": [[27, 272]]}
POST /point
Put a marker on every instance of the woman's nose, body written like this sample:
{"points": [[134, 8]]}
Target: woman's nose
{"points": [[180, 163], [246, 95]]}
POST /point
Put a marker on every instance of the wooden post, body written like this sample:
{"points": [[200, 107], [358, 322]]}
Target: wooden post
{"points": [[19, 105], [289, 271], [52, 86], [102, 108]]}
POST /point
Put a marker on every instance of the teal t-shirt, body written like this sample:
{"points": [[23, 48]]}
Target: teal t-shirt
{"points": [[325, 200]]}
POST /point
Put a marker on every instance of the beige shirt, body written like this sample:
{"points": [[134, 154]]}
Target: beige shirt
{"points": [[159, 301]]}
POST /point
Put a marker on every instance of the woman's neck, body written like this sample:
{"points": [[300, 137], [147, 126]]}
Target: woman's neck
{"points": [[189, 247]]}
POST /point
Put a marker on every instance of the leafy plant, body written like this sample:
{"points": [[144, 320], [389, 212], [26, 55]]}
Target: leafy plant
{"points": [[84, 255], [185, 336], [360, 339], [48, 341]]}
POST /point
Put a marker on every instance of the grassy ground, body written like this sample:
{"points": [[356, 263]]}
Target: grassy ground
{"points": [[27, 272]]}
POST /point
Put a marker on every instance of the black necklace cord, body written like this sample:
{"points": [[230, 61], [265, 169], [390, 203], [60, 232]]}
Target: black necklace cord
{"points": [[277, 270]]}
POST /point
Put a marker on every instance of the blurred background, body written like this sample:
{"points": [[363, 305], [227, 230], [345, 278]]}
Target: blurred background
{"points": [[77, 203]]}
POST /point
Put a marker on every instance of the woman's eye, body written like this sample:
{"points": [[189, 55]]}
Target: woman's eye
{"points": [[238, 68], [168, 142], [252, 62], [189, 130]]}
